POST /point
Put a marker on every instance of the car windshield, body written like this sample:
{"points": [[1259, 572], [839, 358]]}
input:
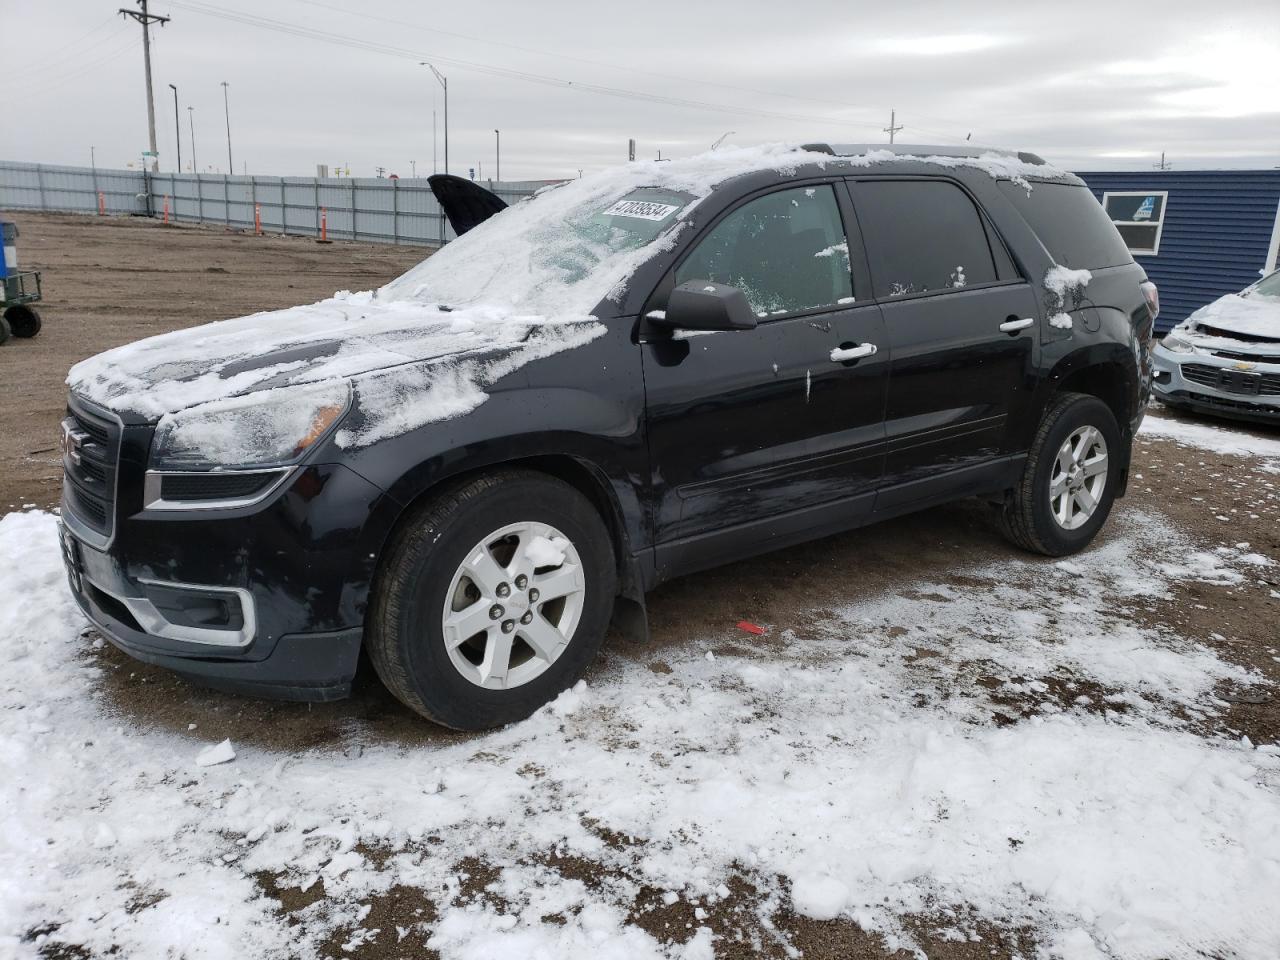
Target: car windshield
{"points": [[1269, 286], [560, 253]]}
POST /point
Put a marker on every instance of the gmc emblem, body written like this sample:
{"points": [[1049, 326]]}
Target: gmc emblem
{"points": [[71, 442]]}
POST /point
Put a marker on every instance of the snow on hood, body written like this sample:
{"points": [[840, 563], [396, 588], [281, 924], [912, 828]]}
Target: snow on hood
{"points": [[533, 280], [1253, 315], [343, 337]]}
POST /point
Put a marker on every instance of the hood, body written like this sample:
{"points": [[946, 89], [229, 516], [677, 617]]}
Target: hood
{"points": [[355, 337], [1252, 317]]}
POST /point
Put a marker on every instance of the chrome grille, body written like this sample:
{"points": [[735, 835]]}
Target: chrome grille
{"points": [[90, 457], [1246, 383]]}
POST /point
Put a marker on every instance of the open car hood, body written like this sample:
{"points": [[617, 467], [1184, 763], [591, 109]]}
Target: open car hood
{"points": [[465, 203], [1255, 317]]}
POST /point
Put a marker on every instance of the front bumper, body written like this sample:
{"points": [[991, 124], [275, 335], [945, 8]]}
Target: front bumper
{"points": [[267, 599], [1224, 387]]}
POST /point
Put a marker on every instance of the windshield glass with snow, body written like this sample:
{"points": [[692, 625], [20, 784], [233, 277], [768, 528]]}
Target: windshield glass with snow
{"points": [[1269, 287], [560, 253]]}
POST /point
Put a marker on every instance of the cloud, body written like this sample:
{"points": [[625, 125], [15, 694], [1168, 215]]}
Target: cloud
{"points": [[1101, 84]]}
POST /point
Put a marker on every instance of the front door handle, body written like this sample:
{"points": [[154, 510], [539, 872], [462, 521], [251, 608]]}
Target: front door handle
{"points": [[1013, 324], [856, 352]]}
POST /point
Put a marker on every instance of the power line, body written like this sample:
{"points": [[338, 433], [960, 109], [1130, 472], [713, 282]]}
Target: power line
{"points": [[755, 92], [30, 86], [489, 69]]}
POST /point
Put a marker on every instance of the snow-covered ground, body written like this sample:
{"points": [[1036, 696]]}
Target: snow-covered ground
{"points": [[1016, 750], [1217, 437]]}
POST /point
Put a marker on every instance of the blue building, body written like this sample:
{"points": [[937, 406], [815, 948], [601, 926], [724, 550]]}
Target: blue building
{"points": [[1197, 233]]}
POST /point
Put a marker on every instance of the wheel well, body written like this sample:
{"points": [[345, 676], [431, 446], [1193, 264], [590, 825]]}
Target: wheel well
{"points": [[565, 468], [1109, 382]]}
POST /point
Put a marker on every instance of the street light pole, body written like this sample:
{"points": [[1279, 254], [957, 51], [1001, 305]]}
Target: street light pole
{"points": [[444, 82], [497, 149], [177, 129], [227, 107], [195, 164]]}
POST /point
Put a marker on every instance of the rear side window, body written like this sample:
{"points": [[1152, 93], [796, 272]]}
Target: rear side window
{"points": [[922, 236], [786, 251], [1071, 224]]}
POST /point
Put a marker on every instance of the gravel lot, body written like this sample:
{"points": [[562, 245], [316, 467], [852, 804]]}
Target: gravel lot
{"points": [[937, 744]]}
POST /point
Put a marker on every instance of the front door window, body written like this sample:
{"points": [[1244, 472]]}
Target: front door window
{"points": [[786, 251]]}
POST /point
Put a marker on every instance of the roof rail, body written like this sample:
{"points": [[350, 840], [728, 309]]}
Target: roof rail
{"points": [[917, 150]]}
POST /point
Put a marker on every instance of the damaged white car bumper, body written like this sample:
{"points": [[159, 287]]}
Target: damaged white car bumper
{"points": [[1234, 379]]}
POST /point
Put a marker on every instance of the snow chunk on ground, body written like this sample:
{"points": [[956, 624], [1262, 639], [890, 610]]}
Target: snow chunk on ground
{"points": [[218, 753], [817, 896]]}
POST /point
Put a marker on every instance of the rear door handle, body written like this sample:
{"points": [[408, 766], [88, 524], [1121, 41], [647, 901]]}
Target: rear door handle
{"points": [[1013, 324], [845, 354]]}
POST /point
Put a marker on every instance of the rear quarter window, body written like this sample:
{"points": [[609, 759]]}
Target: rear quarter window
{"points": [[1071, 224]]}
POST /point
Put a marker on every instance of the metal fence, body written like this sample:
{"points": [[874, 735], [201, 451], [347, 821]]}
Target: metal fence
{"points": [[354, 208]]}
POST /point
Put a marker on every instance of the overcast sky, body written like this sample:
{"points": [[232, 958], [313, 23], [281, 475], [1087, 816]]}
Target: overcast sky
{"points": [[1089, 84]]}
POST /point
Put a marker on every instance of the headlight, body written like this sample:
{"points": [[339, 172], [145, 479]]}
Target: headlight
{"points": [[1175, 344], [266, 429]]}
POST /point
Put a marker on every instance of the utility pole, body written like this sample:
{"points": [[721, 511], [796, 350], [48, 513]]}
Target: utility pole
{"points": [[146, 19], [444, 82], [1163, 165], [497, 150], [413, 166], [226, 106], [893, 126], [177, 129], [195, 164]]}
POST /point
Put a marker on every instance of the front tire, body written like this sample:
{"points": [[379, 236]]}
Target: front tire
{"points": [[1070, 479], [492, 599]]}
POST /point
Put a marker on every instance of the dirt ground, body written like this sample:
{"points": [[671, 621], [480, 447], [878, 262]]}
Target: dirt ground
{"points": [[112, 281]]}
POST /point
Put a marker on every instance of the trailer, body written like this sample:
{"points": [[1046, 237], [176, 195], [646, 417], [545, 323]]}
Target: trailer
{"points": [[20, 289]]}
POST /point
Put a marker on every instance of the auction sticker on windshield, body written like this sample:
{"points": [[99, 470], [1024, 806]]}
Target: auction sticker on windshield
{"points": [[641, 209]]}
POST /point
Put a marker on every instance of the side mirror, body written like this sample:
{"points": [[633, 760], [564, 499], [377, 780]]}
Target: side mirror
{"points": [[703, 305]]}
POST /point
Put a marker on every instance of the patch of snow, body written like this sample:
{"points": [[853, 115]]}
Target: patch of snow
{"points": [[218, 753], [1211, 436], [1061, 320], [543, 552], [1256, 315], [857, 765], [818, 896]]}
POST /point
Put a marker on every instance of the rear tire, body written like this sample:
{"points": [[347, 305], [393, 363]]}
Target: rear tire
{"points": [[1070, 479], [433, 631], [4, 330], [23, 321]]}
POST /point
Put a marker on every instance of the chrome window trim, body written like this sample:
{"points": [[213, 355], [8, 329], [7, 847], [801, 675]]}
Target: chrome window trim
{"points": [[153, 499], [153, 622]]}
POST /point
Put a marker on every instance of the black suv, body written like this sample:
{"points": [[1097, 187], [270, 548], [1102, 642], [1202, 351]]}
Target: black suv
{"points": [[624, 379]]}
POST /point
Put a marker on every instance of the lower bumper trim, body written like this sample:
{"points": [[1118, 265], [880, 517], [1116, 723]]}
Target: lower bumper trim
{"points": [[313, 667], [1219, 406]]}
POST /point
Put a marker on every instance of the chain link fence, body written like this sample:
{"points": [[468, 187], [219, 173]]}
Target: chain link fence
{"points": [[377, 210]]}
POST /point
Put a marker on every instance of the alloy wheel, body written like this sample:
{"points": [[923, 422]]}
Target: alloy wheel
{"points": [[1079, 477], [513, 605]]}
